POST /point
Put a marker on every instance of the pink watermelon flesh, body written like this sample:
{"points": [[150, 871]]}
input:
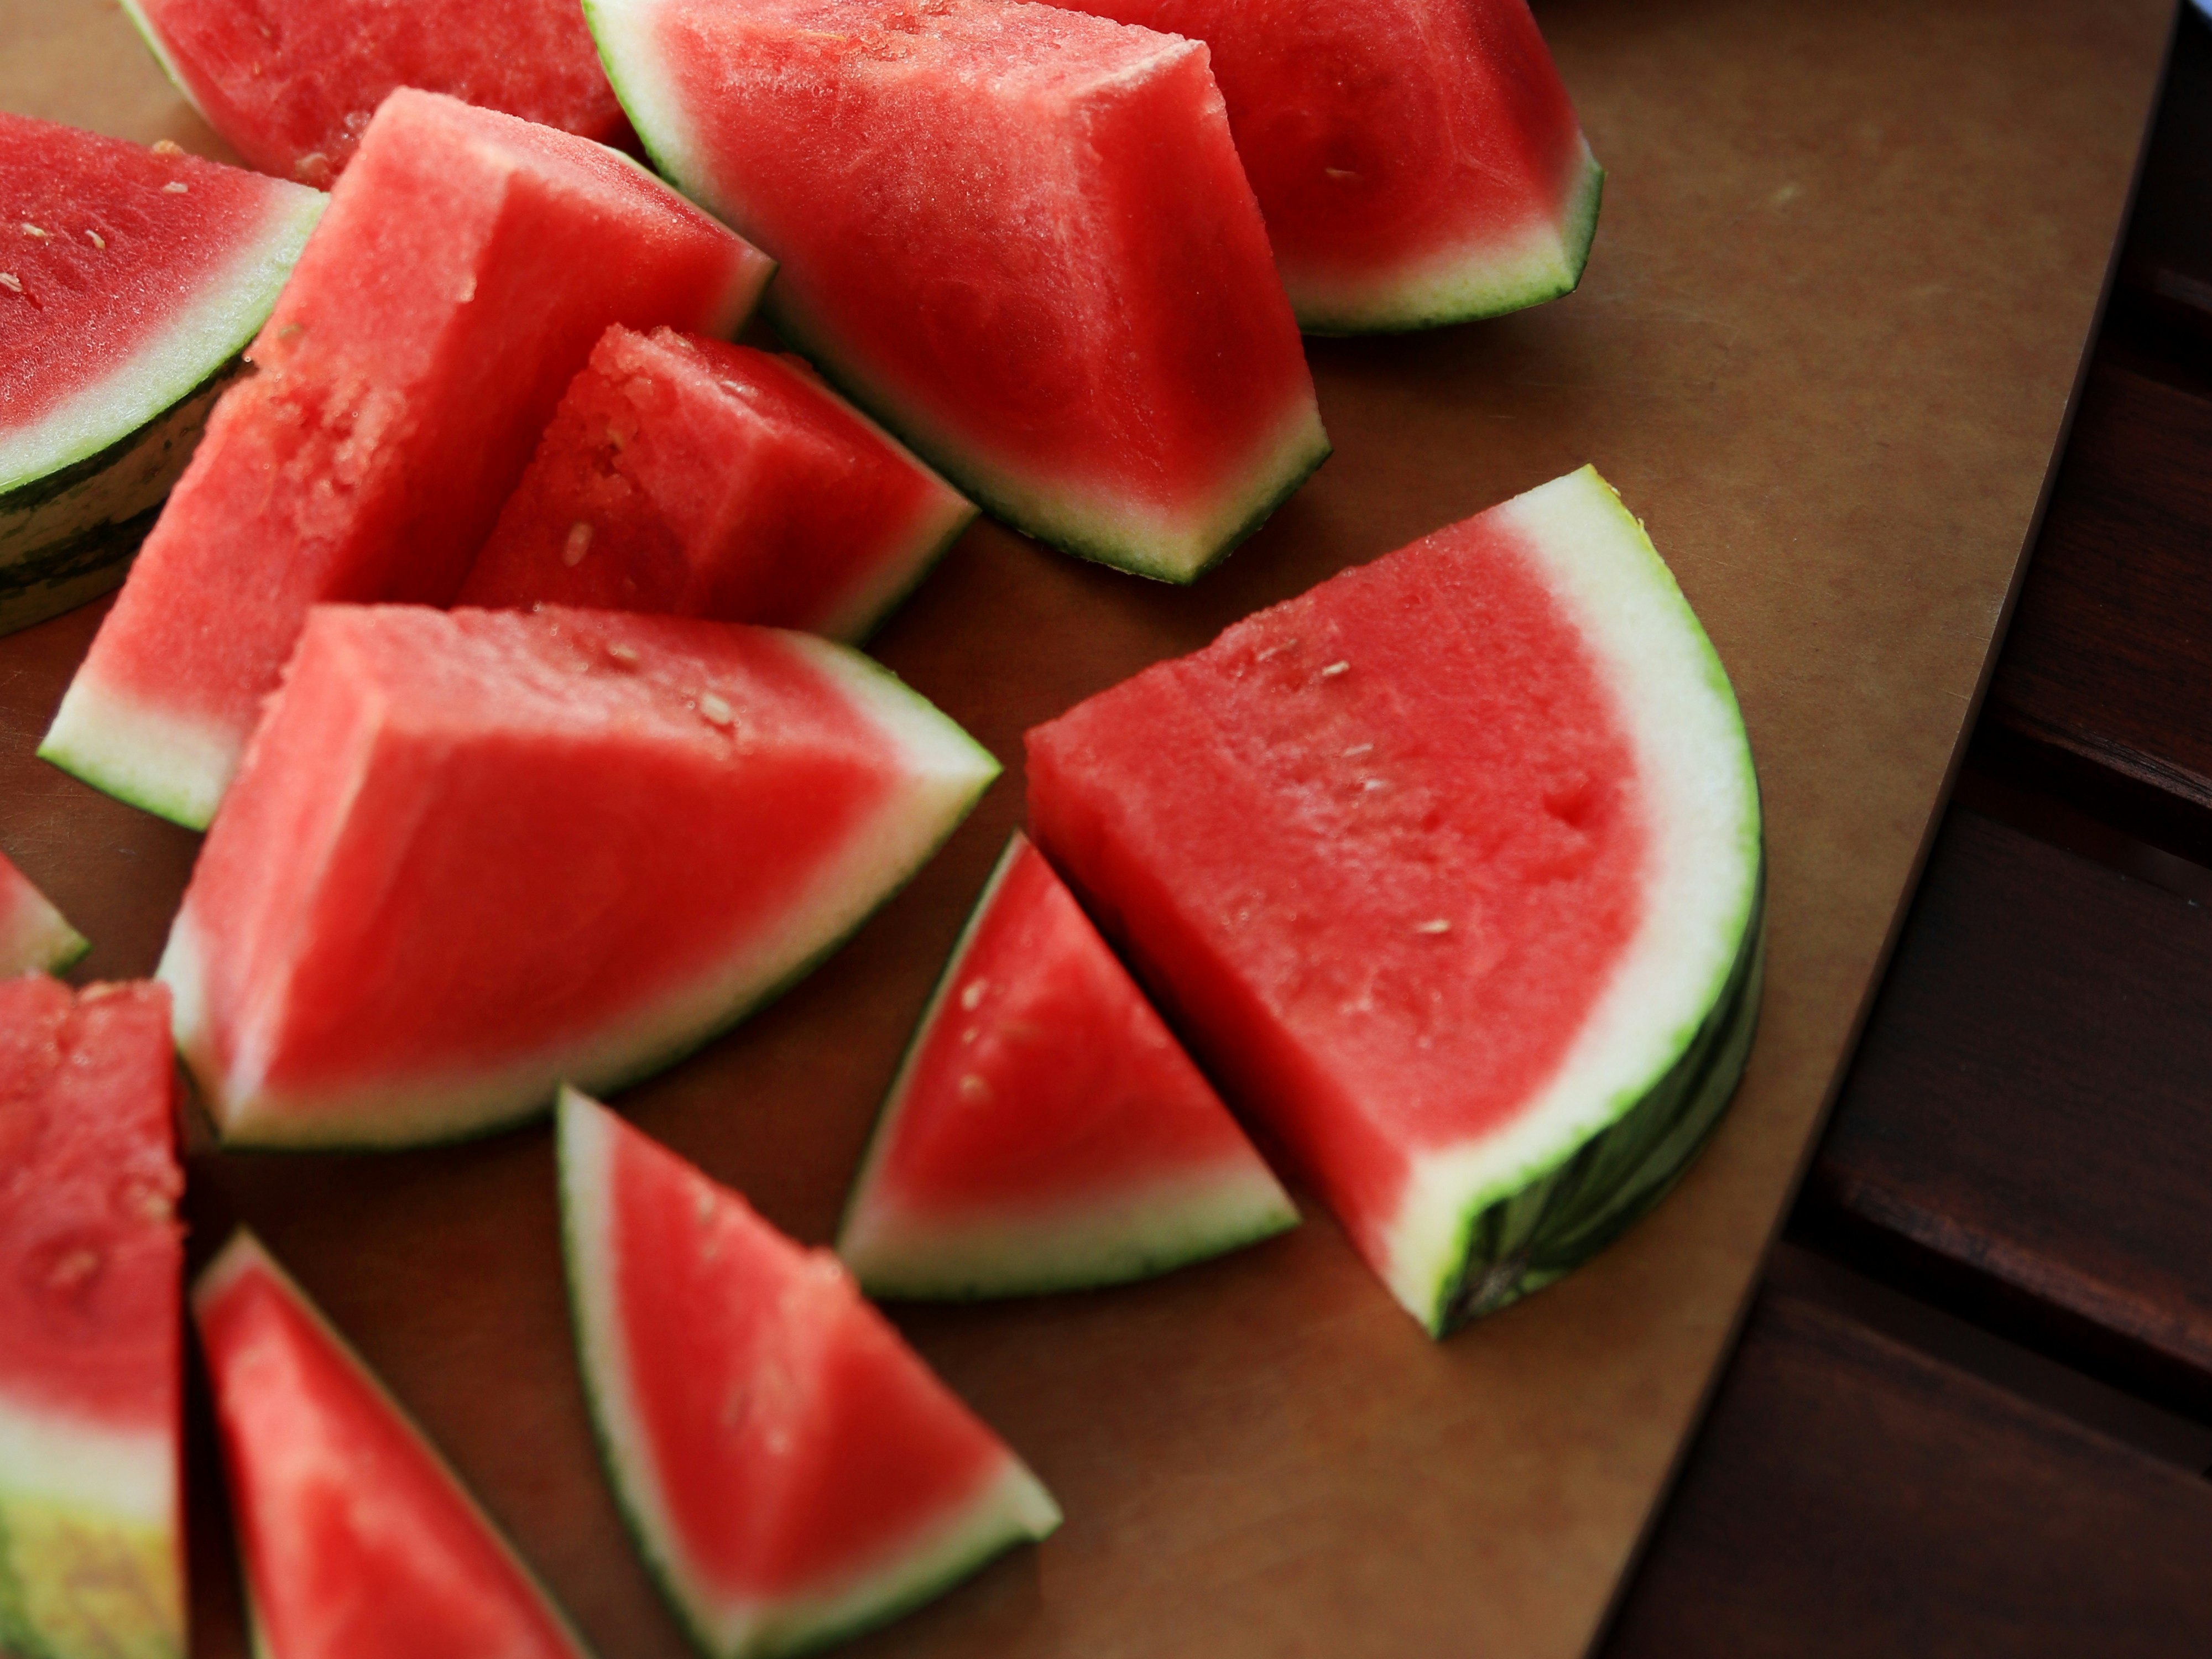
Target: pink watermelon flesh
{"points": [[356, 1538], [33, 935], [1393, 847], [129, 280], [1045, 1132], [473, 852], [1417, 161], [1019, 237], [693, 476], [794, 1472], [90, 1547], [293, 83], [420, 348]]}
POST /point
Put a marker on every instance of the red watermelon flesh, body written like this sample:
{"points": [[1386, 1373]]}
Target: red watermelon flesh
{"points": [[793, 1470], [420, 348], [33, 935], [1045, 1132], [356, 1539], [1019, 237], [1443, 865], [1417, 161], [90, 1543], [471, 853], [705, 479], [293, 83]]}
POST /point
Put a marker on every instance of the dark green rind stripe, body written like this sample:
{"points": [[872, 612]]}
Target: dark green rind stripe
{"points": [[1523, 1242], [37, 491]]}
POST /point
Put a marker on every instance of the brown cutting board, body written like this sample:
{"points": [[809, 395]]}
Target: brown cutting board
{"points": [[1849, 256]]}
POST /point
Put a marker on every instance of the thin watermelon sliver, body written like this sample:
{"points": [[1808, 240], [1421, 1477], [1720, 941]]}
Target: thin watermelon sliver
{"points": [[1045, 1131], [473, 852], [356, 1538], [91, 1540], [33, 935], [1443, 866], [793, 1470]]}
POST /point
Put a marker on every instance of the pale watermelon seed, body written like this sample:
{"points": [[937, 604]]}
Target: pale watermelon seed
{"points": [[1358, 750], [623, 653], [176, 187], [1334, 669], [12, 283], [971, 998], [96, 239], [167, 147], [578, 544], [1434, 925], [975, 1090], [30, 229], [717, 712]]}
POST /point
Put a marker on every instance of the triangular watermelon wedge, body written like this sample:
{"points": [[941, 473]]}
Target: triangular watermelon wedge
{"points": [[793, 1470], [1045, 1132], [355, 1536], [33, 935]]}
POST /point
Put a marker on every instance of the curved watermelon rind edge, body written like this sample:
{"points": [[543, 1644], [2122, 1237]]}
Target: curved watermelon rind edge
{"points": [[881, 615], [239, 1256], [833, 1625], [1131, 1265], [151, 38]]}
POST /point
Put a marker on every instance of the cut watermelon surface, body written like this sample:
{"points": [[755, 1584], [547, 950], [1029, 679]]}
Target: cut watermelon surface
{"points": [[1451, 870], [413, 359], [1417, 161], [1019, 237], [793, 1472], [292, 84], [355, 1537], [129, 282], [1045, 1132], [33, 935], [91, 1541], [704, 479], [472, 853]]}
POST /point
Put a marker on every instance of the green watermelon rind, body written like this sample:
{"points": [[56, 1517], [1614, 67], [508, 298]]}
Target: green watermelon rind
{"points": [[1014, 1510], [1040, 1254], [1435, 1247], [36, 938], [243, 1253], [150, 38], [441, 1127], [81, 742], [1297, 452], [1471, 286]]}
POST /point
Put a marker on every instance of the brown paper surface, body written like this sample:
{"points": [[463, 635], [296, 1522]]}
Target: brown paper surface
{"points": [[1849, 256]]}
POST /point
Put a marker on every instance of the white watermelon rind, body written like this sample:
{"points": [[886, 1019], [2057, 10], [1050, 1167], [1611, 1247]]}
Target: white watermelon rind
{"points": [[1461, 285], [1013, 1508], [1166, 1225], [1107, 530], [110, 1499], [881, 857], [79, 486], [246, 1254], [1703, 899], [36, 938]]}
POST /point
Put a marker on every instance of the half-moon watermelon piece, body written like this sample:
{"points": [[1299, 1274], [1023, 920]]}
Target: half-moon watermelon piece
{"points": [[1451, 870], [130, 279], [91, 1293], [293, 83], [1045, 1132], [699, 479], [33, 935], [1417, 161], [791, 1470], [403, 378], [1018, 237], [355, 1536], [474, 853]]}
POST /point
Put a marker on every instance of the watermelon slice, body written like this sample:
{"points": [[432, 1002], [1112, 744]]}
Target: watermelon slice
{"points": [[1417, 161], [474, 853], [1045, 1131], [1019, 237], [355, 1535], [792, 1471], [129, 280], [292, 83], [33, 935], [1451, 868], [91, 1542], [414, 358], [706, 479]]}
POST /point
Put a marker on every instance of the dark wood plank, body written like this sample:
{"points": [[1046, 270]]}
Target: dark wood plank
{"points": [[2025, 1130], [2106, 673], [1851, 1497], [2166, 260]]}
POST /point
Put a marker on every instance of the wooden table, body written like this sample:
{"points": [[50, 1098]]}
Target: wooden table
{"points": [[1973, 1410]]}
